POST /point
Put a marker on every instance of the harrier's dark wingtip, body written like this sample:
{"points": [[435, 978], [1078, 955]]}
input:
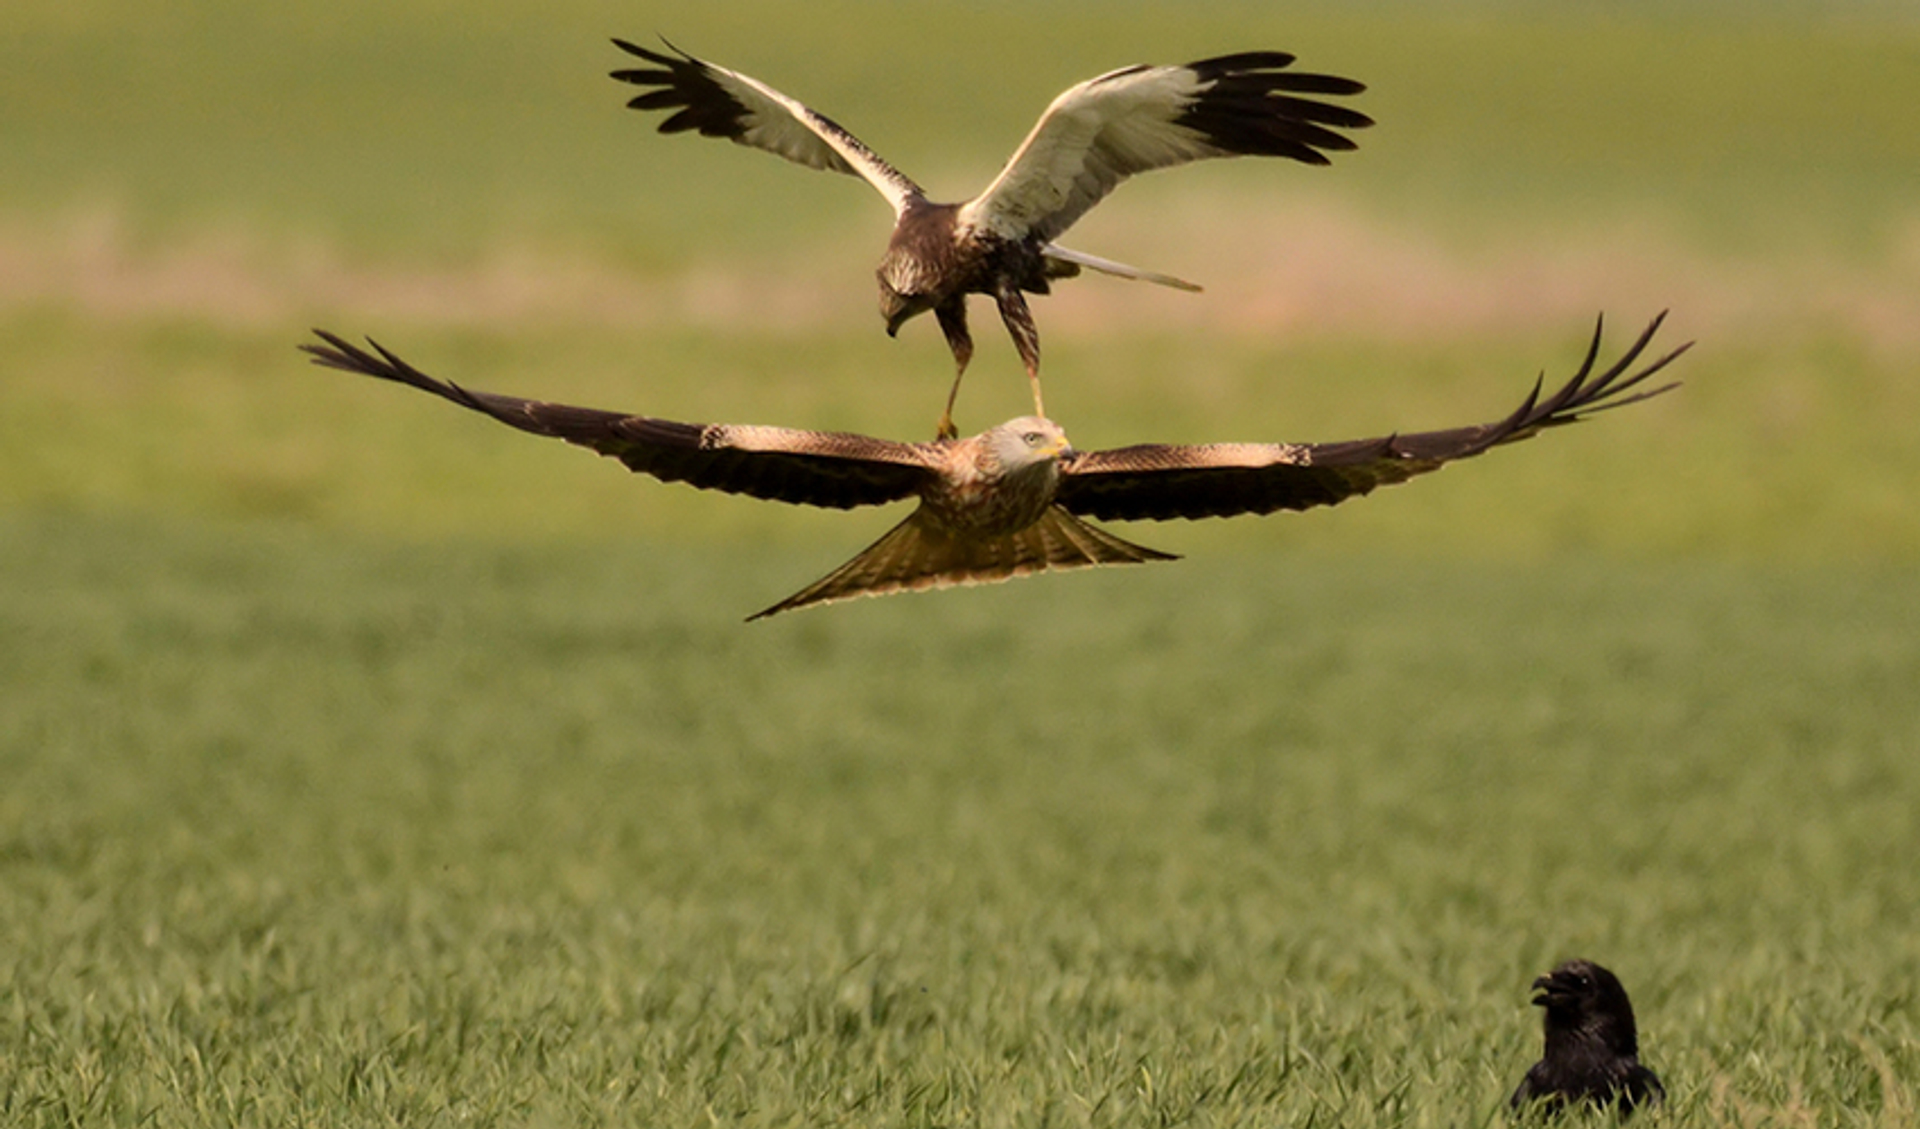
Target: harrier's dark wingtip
{"points": [[635, 49], [670, 67]]}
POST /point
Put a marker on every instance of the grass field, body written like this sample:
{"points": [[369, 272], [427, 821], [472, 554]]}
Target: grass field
{"points": [[362, 763], [310, 831]]}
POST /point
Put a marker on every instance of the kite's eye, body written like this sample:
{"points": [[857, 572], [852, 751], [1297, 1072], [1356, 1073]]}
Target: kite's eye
{"points": [[1034, 438]]}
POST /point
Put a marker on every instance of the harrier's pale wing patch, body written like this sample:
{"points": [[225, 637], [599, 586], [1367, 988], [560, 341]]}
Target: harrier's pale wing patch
{"points": [[813, 468], [1140, 118], [722, 103], [1158, 482]]}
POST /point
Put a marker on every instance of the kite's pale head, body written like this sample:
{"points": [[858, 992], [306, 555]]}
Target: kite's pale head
{"points": [[1026, 442]]}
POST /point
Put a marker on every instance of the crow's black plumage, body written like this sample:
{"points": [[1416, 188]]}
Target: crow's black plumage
{"points": [[1593, 1049]]}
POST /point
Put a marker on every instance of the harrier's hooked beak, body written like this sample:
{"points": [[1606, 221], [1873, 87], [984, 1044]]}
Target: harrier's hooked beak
{"points": [[895, 308], [897, 315]]}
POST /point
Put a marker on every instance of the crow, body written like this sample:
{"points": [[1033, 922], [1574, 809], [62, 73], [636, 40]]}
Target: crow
{"points": [[1592, 1051]]}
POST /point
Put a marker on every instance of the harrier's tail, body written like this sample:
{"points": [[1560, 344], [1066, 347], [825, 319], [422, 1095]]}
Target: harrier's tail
{"points": [[1079, 259], [915, 555]]}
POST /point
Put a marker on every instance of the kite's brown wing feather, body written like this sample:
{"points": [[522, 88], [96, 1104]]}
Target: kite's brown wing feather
{"points": [[917, 554], [813, 468], [1158, 482]]}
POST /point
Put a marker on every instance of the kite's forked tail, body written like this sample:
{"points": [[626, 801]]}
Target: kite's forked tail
{"points": [[917, 555]]}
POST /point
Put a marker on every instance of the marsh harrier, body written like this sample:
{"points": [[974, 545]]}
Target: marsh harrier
{"points": [[1001, 242], [1010, 501]]}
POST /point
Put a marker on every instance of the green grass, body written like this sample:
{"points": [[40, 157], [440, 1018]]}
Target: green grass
{"points": [[364, 763], [320, 831]]}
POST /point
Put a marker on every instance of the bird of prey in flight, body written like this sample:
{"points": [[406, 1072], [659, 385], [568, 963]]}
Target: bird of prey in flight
{"points": [[1012, 500], [1001, 242]]}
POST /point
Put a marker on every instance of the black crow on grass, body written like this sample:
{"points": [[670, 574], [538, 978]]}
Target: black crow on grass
{"points": [[1593, 1050]]}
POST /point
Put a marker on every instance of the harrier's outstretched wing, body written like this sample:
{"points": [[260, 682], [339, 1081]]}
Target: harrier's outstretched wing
{"points": [[723, 103], [1140, 118], [811, 468], [1158, 482]]}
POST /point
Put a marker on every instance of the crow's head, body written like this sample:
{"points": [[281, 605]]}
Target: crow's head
{"points": [[1585, 1001]]}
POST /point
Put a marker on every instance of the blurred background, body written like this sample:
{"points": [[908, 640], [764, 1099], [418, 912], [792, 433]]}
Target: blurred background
{"points": [[363, 760], [188, 188]]}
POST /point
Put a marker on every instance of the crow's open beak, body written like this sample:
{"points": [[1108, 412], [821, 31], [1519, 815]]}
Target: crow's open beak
{"points": [[1550, 989]]}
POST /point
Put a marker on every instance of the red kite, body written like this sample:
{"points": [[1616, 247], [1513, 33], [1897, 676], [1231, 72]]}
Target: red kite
{"points": [[1010, 501]]}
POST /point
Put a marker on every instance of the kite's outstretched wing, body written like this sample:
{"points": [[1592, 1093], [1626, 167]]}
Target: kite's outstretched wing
{"points": [[811, 468], [1139, 118], [1158, 482], [723, 103]]}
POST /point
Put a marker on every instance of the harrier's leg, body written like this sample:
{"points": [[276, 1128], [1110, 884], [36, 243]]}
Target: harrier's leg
{"points": [[1026, 338], [952, 315]]}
